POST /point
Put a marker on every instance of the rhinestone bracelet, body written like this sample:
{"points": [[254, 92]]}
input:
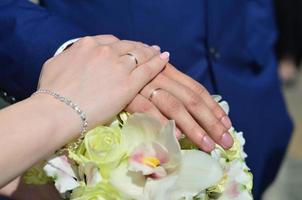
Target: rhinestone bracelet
{"points": [[75, 107]]}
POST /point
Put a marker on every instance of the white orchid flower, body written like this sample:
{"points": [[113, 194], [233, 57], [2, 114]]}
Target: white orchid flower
{"points": [[64, 176], [238, 182], [60, 170], [156, 168]]}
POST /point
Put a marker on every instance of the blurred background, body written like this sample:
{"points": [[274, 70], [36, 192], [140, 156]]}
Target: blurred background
{"points": [[289, 50], [288, 183]]}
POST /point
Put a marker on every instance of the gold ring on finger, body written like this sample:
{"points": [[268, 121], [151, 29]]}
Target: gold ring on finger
{"points": [[153, 93], [133, 58]]}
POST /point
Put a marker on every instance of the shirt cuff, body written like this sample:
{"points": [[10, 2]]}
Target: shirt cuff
{"points": [[65, 45]]}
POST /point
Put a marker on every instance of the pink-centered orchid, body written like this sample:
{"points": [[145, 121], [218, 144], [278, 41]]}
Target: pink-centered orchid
{"points": [[156, 168]]}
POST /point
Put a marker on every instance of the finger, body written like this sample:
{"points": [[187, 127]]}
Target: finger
{"points": [[133, 59], [143, 74], [142, 105], [196, 107], [139, 55], [172, 108], [176, 75], [128, 44]]}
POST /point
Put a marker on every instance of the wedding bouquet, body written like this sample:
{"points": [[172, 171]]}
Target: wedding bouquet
{"points": [[136, 158]]}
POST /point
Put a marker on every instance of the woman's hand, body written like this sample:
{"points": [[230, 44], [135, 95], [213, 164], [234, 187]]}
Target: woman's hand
{"points": [[99, 76]]}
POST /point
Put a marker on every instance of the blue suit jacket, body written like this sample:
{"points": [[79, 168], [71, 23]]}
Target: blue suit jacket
{"points": [[226, 45]]}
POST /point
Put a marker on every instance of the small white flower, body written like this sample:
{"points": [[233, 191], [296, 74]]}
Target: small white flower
{"points": [[61, 171]]}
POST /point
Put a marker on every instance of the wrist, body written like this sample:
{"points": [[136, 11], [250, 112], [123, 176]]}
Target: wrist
{"points": [[63, 122]]}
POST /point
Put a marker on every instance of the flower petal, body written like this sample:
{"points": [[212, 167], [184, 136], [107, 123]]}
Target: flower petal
{"points": [[158, 189], [168, 139], [225, 106], [244, 195], [216, 97], [198, 172], [61, 171], [90, 173], [137, 160], [129, 183], [139, 128]]}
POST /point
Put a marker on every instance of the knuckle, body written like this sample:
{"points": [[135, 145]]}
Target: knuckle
{"points": [[173, 105], [219, 112], [140, 44], [217, 128], [111, 38], [86, 41], [199, 89], [149, 52], [193, 100], [127, 42], [195, 131], [154, 52]]}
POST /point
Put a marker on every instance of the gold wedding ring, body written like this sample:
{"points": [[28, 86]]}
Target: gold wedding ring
{"points": [[133, 58], [153, 93]]}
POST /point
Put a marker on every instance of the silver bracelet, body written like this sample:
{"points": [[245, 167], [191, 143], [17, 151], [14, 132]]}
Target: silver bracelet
{"points": [[69, 103]]}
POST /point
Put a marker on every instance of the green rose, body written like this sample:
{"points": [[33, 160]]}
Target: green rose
{"points": [[102, 191], [101, 146]]}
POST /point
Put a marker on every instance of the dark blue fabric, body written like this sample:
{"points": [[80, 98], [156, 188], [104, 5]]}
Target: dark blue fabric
{"points": [[28, 36], [226, 45]]}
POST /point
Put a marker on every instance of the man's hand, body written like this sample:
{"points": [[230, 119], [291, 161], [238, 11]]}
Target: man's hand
{"points": [[177, 96], [184, 100]]}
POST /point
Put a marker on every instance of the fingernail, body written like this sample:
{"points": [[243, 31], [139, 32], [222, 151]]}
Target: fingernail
{"points": [[157, 48], [164, 55], [226, 122], [226, 141], [208, 143]]}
